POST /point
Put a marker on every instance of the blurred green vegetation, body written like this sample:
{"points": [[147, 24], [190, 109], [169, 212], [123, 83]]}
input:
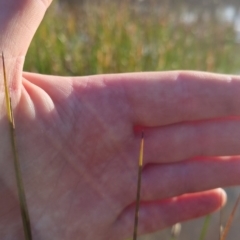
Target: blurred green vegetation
{"points": [[107, 38]]}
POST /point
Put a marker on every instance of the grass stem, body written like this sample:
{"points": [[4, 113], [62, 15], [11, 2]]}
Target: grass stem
{"points": [[205, 227], [230, 220], [140, 166], [20, 187]]}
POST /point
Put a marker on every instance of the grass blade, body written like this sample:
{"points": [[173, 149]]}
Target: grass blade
{"points": [[20, 187], [205, 227], [140, 166], [230, 219]]}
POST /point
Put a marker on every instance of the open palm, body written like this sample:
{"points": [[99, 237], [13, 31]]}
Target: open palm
{"points": [[78, 142]]}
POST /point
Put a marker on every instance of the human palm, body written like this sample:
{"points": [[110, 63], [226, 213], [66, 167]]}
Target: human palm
{"points": [[78, 142]]}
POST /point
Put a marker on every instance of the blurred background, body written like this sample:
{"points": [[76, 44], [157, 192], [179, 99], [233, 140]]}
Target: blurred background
{"points": [[83, 37]]}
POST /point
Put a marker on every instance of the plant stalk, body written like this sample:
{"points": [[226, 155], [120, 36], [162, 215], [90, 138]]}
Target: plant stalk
{"points": [[19, 180], [140, 166]]}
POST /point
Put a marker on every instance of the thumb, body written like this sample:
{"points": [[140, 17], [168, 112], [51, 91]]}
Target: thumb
{"points": [[19, 19]]}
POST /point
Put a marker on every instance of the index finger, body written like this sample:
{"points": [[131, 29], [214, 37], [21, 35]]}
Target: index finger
{"points": [[168, 97]]}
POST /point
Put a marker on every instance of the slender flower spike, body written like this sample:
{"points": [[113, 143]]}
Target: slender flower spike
{"points": [[140, 166], [176, 230], [20, 187]]}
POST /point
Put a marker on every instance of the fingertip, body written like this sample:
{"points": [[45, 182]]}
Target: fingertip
{"points": [[160, 214], [222, 195]]}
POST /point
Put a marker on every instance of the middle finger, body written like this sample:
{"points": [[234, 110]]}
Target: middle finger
{"points": [[183, 141]]}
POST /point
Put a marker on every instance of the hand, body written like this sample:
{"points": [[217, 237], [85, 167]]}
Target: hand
{"points": [[78, 144]]}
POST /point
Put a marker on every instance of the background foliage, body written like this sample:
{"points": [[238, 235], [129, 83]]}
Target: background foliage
{"points": [[117, 36]]}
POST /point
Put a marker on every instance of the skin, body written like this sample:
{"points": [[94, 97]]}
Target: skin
{"points": [[78, 142]]}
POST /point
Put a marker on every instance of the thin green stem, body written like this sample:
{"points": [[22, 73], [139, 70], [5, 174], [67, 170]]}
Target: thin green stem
{"points": [[205, 227]]}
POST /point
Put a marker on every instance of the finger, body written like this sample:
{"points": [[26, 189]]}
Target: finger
{"points": [[156, 99], [187, 140], [154, 216], [168, 180]]}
